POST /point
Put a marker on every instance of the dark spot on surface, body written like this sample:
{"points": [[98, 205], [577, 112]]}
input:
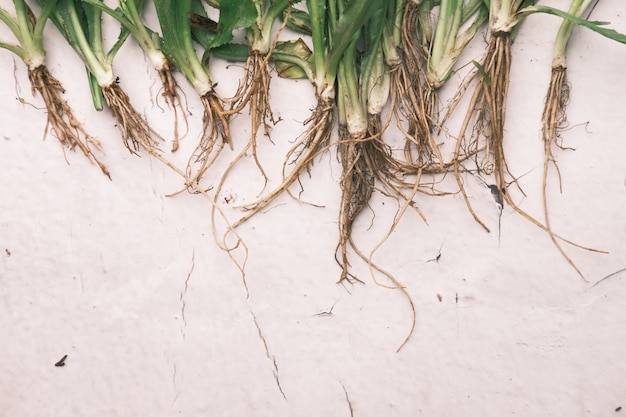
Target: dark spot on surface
{"points": [[61, 362]]}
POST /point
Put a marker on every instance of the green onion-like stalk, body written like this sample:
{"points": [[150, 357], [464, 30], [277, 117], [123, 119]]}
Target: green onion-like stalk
{"points": [[443, 39], [363, 83], [28, 32]]}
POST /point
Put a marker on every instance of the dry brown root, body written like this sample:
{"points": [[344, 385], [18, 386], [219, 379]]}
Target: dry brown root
{"points": [[396, 286], [553, 119], [215, 134], [301, 156], [260, 108], [254, 91], [357, 185], [67, 129], [367, 160], [487, 109], [136, 130], [416, 101], [136, 133], [172, 99], [368, 165]]}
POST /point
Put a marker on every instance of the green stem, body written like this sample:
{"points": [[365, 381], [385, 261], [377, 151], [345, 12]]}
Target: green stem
{"points": [[94, 17], [15, 49], [30, 48], [104, 75], [176, 31], [355, 113], [448, 11], [23, 22], [316, 10], [396, 17], [11, 23], [595, 26], [356, 13], [46, 11], [577, 8], [305, 66]]}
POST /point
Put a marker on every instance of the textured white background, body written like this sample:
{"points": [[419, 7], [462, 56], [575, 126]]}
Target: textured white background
{"points": [[154, 317]]}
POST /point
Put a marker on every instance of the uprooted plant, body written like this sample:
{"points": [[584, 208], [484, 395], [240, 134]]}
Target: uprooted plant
{"points": [[433, 34], [257, 18], [487, 109], [554, 117], [367, 162], [81, 25], [30, 49], [332, 32], [129, 15], [176, 31]]}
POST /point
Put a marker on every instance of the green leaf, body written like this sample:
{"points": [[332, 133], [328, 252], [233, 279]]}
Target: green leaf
{"points": [[96, 92], [299, 21], [177, 42], [234, 52], [234, 14], [596, 26], [202, 36], [354, 16], [482, 71], [292, 59]]}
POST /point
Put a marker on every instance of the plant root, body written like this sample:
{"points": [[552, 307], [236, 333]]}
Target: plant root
{"points": [[255, 92], [135, 130], [195, 188], [366, 160], [67, 129], [416, 100], [314, 141], [553, 119], [357, 186], [215, 126], [488, 108], [170, 94], [396, 286]]}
